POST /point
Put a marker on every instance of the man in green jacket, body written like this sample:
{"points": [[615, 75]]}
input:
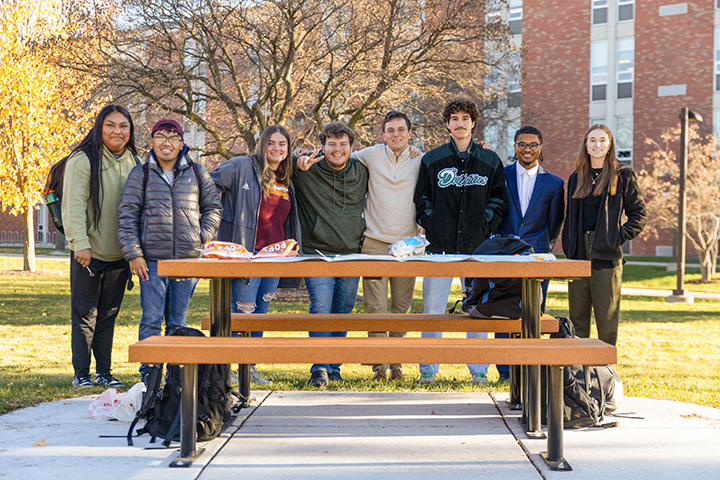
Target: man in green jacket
{"points": [[331, 198]]}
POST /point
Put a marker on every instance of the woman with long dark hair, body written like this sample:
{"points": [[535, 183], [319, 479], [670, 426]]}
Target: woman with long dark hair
{"points": [[95, 175], [600, 191], [259, 209]]}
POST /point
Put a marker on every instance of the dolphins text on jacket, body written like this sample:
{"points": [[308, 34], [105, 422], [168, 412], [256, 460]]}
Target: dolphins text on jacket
{"points": [[448, 177]]}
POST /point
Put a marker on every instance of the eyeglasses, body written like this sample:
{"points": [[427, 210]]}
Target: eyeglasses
{"points": [[162, 138], [531, 146]]}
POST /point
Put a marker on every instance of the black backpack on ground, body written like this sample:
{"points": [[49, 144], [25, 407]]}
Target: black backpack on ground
{"points": [[496, 297], [160, 407], [589, 393]]}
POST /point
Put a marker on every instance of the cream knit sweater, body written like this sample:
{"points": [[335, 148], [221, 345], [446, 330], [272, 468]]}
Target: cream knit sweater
{"points": [[389, 209]]}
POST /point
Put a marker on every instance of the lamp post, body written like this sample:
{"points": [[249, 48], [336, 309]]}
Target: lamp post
{"points": [[680, 294]]}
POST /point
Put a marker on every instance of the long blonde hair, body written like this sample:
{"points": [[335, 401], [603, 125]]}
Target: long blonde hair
{"points": [[583, 167], [267, 175]]}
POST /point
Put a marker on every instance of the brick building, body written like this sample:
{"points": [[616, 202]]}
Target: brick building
{"points": [[628, 64]]}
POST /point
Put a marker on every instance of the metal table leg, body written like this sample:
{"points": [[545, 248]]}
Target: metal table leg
{"points": [[220, 307], [531, 329], [244, 379], [221, 326], [188, 413], [554, 454], [514, 402]]}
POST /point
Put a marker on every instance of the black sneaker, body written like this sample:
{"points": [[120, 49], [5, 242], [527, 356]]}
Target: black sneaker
{"points": [[107, 380], [319, 379], [82, 382], [335, 376], [504, 377]]}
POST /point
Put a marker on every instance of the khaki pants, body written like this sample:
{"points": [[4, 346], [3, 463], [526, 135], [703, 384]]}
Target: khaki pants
{"points": [[600, 293], [375, 293]]}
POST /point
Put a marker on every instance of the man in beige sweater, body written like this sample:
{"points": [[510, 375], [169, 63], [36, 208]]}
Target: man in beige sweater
{"points": [[389, 216]]}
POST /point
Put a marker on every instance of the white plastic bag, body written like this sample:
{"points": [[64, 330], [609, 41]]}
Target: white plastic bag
{"points": [[129, 403], [102, 407], [111, 405]]}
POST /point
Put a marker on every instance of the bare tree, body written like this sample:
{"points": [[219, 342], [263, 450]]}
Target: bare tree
{"points": [[659, 182], [233, 67]]}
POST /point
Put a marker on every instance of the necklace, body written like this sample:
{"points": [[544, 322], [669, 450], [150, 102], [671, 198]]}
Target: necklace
{"points": [[595, 177]]}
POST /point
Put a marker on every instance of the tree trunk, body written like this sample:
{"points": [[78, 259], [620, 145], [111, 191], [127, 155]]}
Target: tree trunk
{"points": [[28, 240], [706, 266]]}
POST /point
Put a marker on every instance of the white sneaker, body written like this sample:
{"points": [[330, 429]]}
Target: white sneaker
{"points": [[256, 378]]}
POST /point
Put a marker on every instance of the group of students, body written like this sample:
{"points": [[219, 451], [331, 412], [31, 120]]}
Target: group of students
{"points": [[123, 215]]}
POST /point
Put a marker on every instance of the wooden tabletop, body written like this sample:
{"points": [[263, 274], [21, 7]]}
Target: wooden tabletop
{"points": [[216, 268]]}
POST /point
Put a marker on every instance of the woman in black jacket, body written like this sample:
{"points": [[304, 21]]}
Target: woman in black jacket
{"points": [[599, 192]]}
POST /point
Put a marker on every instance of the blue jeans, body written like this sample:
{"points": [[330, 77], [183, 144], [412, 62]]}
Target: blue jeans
{"points": [[436, 291], [163, 297], [331, 295], [252, 295]]}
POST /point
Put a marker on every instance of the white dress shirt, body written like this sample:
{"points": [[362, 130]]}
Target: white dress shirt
{"points": [[526, 183]]}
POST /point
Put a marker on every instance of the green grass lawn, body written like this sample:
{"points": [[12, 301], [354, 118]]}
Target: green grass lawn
{"points": [[668, 351]]}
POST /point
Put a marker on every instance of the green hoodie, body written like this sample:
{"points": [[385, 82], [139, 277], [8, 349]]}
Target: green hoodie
{"points": [[330, 207], [77, 206]]}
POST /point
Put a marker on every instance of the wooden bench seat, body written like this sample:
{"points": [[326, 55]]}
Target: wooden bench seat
{"points": [[517, 351], [365, 322], [191, 351]]}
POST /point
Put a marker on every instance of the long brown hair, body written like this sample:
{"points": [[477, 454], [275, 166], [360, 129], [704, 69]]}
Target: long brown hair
{"points": [[284, 171], [583, 167]]}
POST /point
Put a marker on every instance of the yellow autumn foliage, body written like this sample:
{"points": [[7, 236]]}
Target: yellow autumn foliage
{"points": [[44, 109]]}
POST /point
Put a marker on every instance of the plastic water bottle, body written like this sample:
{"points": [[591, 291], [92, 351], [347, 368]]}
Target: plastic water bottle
{"points": [[409, 246], [53, 204]]}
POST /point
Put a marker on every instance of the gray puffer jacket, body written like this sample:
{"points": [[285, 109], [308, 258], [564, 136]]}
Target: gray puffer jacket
{"points": [[158, 221]]}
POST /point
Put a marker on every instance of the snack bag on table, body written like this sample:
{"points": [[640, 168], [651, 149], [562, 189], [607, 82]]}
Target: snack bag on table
{"points": [[286, 248], [229, 250]]}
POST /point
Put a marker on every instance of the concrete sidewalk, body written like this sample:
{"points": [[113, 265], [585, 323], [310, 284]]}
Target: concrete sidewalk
{"points": [[354, 435]]}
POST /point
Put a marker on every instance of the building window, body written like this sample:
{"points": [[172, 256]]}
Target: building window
{"points": [[625, 67], [599, 11], [491, 135], [510, 141], [514, 74], [515, 13], [492, 11], [716, 122], [717, 58], [598, 70], [626, 10], [624, 139]]}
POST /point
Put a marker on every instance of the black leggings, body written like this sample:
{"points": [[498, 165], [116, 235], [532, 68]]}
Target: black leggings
{"points": [[95, 303]]}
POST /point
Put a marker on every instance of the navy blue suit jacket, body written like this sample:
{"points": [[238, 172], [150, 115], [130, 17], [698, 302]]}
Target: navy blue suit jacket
{"points": [[543, 220]]}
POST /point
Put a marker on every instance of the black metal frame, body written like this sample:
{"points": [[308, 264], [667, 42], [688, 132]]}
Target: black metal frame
{"points": [[524, 390]]}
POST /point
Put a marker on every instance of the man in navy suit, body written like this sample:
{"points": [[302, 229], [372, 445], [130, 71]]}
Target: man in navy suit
{"points": [[537, 203]]}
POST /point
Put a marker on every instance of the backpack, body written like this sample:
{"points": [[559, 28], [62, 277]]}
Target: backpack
{"points": [[53, 191], [160, 406], [496, 297], [589, 393]]}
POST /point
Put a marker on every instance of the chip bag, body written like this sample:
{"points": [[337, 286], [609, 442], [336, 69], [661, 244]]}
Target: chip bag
{"points": [[216, 249], [286, 248]]}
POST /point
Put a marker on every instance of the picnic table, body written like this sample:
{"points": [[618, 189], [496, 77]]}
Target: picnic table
{"points": [[532, 270]]}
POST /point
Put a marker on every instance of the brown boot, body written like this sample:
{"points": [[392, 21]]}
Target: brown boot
{"points": [[380, 375], [396, 374]]}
